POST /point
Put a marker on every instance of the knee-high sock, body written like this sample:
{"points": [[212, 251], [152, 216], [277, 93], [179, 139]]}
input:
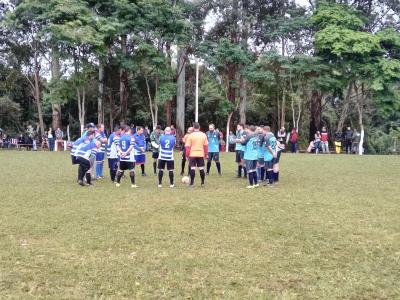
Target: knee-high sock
{"points": [[155, 167], [250, 179], [97, 169], [218, 167], [160, 176], [88, 178], [255, 180], [240, 170], [276, 176], [208, 166], [81, 174], [244, 171], [202, 176], [192, 175], [171, 177], [132, 175], [142, 167], [119, 175], [101, 169], [183, 166], [270, 176]]}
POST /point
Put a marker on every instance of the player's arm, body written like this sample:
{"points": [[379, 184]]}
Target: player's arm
{"points": [[188, 145], [205, 148]]}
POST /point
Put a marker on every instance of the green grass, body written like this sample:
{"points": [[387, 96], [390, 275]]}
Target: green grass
{"points": [[330, 230]]}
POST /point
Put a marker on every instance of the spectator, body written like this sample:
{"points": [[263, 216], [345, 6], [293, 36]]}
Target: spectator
{"points": [[293, 140], [317, 142], [232, 144], [146, 133], [356, 141], [338, 142], [50, 139], [21, 140], [59, 139], [324, 140], [348, 139], [173, 130], [282, 137]]}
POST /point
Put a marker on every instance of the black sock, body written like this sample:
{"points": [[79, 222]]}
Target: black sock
{"points": [[88, 178], [119, 176], [142, 167], [192, 175], [276, 176], [270, 177], [208, 166], [81, 174], [132, 175], [189, 170], [113, 173], [239, 170], [255, 180], [250, 179], [202, 176], [244, 171], [218, 167], [171, 177], [262, 173], [183, 166], [160, 176], [155, 167]]}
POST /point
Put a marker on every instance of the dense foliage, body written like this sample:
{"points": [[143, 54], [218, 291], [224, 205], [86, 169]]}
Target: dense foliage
{"points": [[328, 63]]}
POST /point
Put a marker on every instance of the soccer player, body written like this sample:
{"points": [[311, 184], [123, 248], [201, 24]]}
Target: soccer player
{"points": [[155, 146], [279, 149], [239, 148], [112, 153], [196, 150], [100, 135], [249, 139], [83, 153], [260, 154], [166, 157], [213, 148], [189, 131], [125, 145], [270, 144], [140, 150]]}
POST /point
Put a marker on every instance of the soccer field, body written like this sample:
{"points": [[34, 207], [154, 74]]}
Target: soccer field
{"points": [[330, 230]]}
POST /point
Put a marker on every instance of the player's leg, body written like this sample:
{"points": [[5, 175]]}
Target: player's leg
{"points": [[209, 161], [183, 163], [132, 174], [243, 164], [239, 164], [250, 177], [120, 172], [155, 157], [161, 167], [276, 167], [192, 164], [170, 168], [201, 165], [261, 168], [217, 163], [270, 172]]}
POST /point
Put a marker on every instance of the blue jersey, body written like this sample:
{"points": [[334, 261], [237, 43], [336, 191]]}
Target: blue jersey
{"points": [[167, 144], [99, 135], [239, 146], [251, 146], [140, 140], [260, 147], [86, 149], [126, 143], [213, 141], [111, 147], [76, 144], [269, 141]]}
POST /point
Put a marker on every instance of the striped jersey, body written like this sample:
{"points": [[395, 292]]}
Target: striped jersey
{"points": [[167, 144], [126, 144], [99, 135], [86, 149], [76, 144], [111, 147]]}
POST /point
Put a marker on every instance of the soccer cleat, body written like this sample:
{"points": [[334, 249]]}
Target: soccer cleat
{"points": [[172, 186], [160, 185], [238, 176], [190, 186], [81, 183], [117, 184], [202, 185], [250, 187], [144, 174], [207, 173], [270, 185], [257, 185], [134, 186]]}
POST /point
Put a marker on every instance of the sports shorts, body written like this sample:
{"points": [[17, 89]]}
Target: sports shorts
{"points": [[196, 162], [126, 165], [169, 163], [251, 165], [213, 156], [239, 156]]}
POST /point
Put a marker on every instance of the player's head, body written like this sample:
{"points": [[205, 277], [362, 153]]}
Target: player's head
{"points": [[283, 128], [324, 128], [100, 127], [139, 130], [167, 130], [90, 127], [349, 128], [127, 130], [211, 127], [267, 129], [239, 126], [251, 128], [196, 126], [158, 128], [117, 129], [190, 130], [90, 135], [98, 144]]}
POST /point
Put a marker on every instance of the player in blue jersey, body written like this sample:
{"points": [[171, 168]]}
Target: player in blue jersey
{"points": [[166, 156], [250, 142], [100, 135], [213, 148], [112, 153], [239, 149], [83, 152], [125, 146], [140, 151], [261, 153], [270, 143]]}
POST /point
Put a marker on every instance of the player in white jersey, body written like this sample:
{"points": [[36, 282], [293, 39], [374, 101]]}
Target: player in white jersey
{"points": [[166, 156]]}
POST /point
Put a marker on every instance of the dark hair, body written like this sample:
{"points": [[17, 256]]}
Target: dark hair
{"points": [[196, 125], [158, 127], [117, 127], [138, 128], [127, 128], [252, 127], [241, 125]]}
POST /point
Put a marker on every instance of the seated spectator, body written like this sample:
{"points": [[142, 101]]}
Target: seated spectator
{"points": [[317, 142], [59, 139]]}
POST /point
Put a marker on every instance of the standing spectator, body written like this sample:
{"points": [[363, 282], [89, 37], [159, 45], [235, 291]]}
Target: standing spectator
{"points": [[173, 130], [231, 142], [356, 141], [146, 133], [324, 140], [59, 138], [50, 139], [348, 139], [293, 140], [282, 137], [20, 140], [317, 142]]}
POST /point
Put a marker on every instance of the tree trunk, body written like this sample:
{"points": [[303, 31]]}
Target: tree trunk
{"points": [[100, 96], [243, 99], [123, 87], [242, 79], [36, 93], [111, 97], [181, 94], [345, 109], [150, 100], [228, 124], [168, 103], [283, 109], [360, 101], [55, 76], [315, 111]]}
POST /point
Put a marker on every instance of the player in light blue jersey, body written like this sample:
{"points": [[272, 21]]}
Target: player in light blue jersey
{"points": [[270, 143], [261, 153], [239, 149], [83, 153], [250, 141], [166, 156], [213, 138], [100, 135], [125, 146], [112, 153]]}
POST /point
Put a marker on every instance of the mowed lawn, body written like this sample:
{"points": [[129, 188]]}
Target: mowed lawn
{"points": [[330, 230]]}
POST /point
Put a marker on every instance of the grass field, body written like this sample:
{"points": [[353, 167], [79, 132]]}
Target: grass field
{"points": [[330, 230]]}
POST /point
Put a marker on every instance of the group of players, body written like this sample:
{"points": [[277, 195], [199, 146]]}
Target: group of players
{"points": [[257, 154]]}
